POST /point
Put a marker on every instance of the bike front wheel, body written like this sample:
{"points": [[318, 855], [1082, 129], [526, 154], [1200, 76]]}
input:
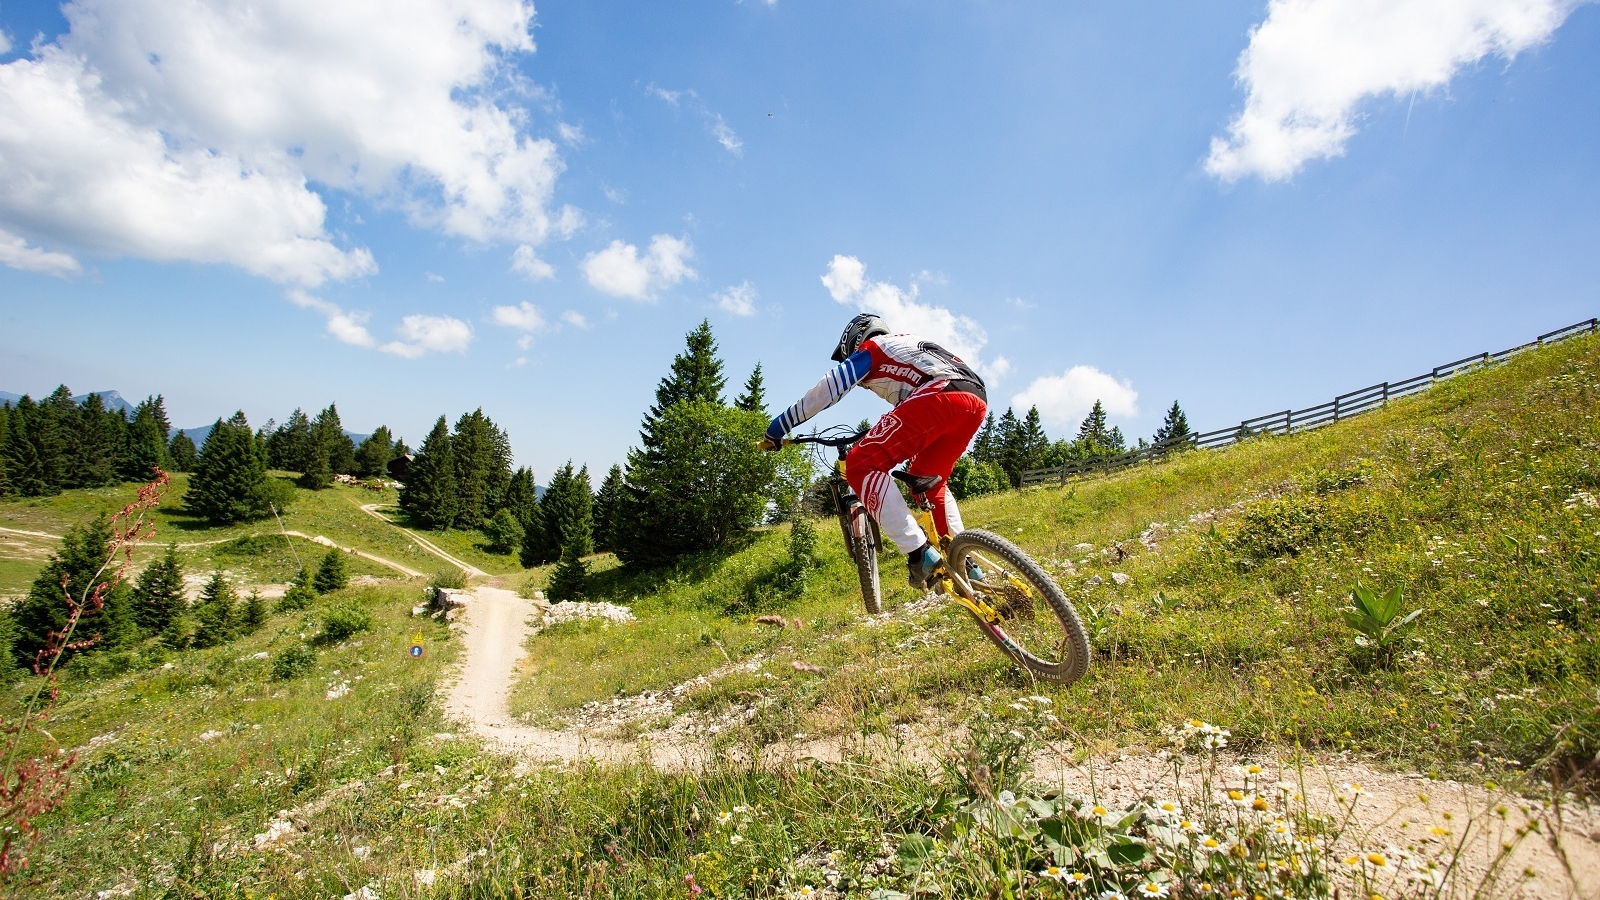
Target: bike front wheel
{"points": [[863, 546], [1036, 625]]}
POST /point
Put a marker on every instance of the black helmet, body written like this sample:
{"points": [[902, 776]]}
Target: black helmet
{"points": [[856, 333]]}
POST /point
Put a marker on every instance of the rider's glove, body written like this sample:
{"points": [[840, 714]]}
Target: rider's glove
{"points": [[767, 443]]}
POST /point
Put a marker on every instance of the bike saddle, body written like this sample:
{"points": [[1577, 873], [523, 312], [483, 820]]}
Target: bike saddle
{"points": [[919, 484]]}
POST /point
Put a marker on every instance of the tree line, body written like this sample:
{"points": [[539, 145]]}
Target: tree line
{"points": [[58, 443], [1003, 449]]}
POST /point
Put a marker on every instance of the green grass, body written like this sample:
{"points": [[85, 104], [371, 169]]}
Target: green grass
{"points": [[1468, 496], [334, 513], [1460, 495]]}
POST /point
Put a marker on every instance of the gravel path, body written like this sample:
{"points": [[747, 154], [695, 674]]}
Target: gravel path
{"points": [[371, 509]]}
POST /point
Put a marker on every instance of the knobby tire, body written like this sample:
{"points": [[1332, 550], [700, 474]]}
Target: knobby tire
{"points": [[864, 550], [1050, 644]]}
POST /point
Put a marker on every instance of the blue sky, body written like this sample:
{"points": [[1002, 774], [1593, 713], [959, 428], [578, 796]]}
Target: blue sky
{"points": [[425, 207]]}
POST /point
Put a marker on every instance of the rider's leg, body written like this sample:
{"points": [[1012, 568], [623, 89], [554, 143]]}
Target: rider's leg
{"points": [[891, 440], [959, 417]]}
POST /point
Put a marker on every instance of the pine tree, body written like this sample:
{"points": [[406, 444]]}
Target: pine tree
{"points": [[289, 447], [754, 398], [429, 495], [1033, 441], [473, 448], [1093, 427], [1009, 446], [327, 436], [608, 509], [146, 446], [182, 454], [158, 412], [255, 613], [318, 474], [372, 457], [216, 615], [566, 582], [1174, 433], [697, 481], [503, 531], [55, 434], [230, 479], [94, 464], [44, 609], [5, 483], [522, 501], [158, 597], [24, 468], [333, 573], [567, 511]]}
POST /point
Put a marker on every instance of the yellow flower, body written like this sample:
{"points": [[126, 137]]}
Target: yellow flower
{"points": [[1259, 804], [1099, 810], [1377, 859], [1235, 795]]}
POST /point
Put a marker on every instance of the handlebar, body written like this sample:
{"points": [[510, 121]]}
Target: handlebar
{"points": [[823, 438]]}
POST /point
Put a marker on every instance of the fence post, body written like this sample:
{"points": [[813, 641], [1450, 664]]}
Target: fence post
{"points": [[1386, 393], [1288, 420]]}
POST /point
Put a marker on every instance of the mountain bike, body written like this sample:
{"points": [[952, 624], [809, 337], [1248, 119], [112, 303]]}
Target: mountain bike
{"points": [[1014, 602]]}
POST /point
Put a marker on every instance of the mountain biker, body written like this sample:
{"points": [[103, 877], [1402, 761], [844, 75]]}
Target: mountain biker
{"points": [[939, 404]]}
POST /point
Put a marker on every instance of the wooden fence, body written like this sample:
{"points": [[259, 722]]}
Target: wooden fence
{"points": [[1294, 420]]}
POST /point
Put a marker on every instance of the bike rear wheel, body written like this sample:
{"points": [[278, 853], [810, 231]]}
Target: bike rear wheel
{"points": [[1049, 642], [863, 545]]}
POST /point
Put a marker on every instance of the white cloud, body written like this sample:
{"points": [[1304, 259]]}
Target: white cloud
{"points": [[193, 130], [429, 334], [526, 262], [347, 327], [725, 136], [620, 271], [848, 284], [1064, 399], [1311, 62], [719, 129], [575, 319], [615, 195], [418, 334], [570, 134], [5, 43], [523, 317], [671, 97], [18, 254], [435, 278], [739, 299]]}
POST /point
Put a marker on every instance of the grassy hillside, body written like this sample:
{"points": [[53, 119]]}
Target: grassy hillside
{"points": [[253, 551], [1477, 497]]}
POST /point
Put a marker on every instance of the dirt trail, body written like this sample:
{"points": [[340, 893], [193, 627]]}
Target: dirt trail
{"points": [[316, 539], [1390, 811], [495, 629], [371, 509], [37, 534]]}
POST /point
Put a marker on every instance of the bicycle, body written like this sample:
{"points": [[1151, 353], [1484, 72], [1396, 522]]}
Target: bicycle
{"points": [[1002, 597]]}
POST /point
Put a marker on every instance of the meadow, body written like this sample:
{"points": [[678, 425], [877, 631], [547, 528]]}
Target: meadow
{"points": [[211, 775]]}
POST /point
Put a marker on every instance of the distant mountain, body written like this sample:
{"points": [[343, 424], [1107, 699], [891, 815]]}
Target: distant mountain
{"points": [[111, 399]]}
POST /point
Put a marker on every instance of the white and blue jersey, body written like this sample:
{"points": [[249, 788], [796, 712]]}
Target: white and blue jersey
{"points": [[893, 366]]}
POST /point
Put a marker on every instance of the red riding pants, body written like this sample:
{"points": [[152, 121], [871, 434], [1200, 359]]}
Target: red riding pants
{"points": [[932, 431]]}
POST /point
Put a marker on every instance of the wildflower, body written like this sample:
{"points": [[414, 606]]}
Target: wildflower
{"points": [[1236, 798], [1285, 787], [1441, 832], [1258, 804], [1189, 826], [1210, 844], [1007, 799], [1354, 789], [1078, 879], [740, 810], [1377, 859], [1253, 769], [1042, 701], [1151, 889], [1113, 895], [1054, 872], [806, 891], [736, 839], [724, 818], [1167, 809]]}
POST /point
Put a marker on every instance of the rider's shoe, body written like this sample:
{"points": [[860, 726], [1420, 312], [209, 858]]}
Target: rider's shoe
{"points": [[974, 571], [920, 564]]}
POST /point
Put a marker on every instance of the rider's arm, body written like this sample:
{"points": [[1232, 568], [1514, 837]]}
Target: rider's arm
{"points": [[839, 380]]}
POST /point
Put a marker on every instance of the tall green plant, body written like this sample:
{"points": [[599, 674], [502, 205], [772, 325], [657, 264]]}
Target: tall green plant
{"points": [[1373, 616]]}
